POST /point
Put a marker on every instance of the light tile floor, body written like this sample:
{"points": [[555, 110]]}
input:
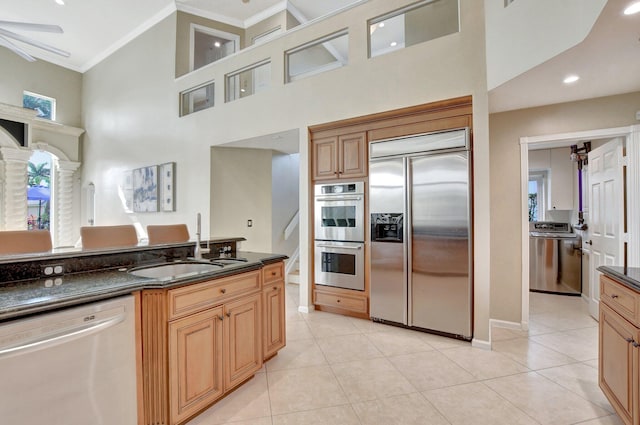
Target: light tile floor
{"points": [[341, 370]]}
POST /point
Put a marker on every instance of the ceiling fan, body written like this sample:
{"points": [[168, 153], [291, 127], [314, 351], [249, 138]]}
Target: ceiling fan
{"points": [[5, 35]]}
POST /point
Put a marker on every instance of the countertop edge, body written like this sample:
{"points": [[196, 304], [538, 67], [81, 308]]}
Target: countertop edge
{"points": [[629, 276], [132, 285]]}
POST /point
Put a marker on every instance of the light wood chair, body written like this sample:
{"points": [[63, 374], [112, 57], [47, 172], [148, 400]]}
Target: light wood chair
{"points": [[94, 237], [168, 233], [24, 241]]}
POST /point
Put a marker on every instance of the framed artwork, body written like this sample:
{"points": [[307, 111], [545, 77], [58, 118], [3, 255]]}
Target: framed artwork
{"points": [[167, 186], [145, 189]]}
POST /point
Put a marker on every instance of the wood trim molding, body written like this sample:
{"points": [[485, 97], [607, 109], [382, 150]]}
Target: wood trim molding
{"points": [[155, 364], [395, 114]]}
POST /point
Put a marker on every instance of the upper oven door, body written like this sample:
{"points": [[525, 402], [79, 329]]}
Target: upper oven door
{"points": [[339, 217]]}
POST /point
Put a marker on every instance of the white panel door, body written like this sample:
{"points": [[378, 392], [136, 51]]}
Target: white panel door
{"points": [[606, 211]]}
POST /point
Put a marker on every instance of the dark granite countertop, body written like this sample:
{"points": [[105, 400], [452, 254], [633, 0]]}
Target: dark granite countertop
{"points": [[629, 276], [26, 297]]}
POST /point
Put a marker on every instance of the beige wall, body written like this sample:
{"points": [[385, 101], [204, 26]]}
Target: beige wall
{"points": [[241, 191], [183, 33], [505, 131], [272, 22], [43, 78], [285, 178]]}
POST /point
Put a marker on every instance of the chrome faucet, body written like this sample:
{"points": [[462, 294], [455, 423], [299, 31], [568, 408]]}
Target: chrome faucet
{"points": [[197, 253]]}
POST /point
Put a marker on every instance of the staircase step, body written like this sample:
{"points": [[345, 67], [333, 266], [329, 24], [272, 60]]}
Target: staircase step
{"points": [[294, 276]]}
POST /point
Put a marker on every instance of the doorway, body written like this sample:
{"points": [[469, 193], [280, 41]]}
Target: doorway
{"points": [[528, 144]]}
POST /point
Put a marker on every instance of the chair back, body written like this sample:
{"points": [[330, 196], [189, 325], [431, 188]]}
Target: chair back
{"points": [[24, 241], [94, 237], [168, 233]]}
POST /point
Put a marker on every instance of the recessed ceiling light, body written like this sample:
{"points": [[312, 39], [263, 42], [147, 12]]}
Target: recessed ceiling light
{"points": [[571, 79], [217, 44], [381, 24], [60, 2], [393, 44], [633, 8]]}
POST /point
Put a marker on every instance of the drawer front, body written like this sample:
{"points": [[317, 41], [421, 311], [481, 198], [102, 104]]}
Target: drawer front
{"points": [[199, 296], [273, 272], [623, 300], [347, 302]]}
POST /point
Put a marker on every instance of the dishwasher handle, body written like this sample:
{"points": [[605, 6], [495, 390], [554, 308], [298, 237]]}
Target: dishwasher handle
{"points": [[61, 337]]}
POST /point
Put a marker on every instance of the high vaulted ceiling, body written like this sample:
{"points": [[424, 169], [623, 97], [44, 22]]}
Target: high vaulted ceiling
{"points": [[94, 29], [608, 60]]}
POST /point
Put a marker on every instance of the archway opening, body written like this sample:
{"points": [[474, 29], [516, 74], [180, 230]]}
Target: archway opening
{"points": [[39, 191]]}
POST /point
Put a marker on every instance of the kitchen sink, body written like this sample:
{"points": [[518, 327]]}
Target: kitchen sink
{"points": [[228, 260], [168, 271]]}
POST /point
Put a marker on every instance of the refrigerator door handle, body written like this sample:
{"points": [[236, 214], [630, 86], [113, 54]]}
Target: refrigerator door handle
{"points": [[408, 237]]}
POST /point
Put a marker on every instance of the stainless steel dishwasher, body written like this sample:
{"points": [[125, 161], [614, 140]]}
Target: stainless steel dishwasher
{"points": [[555, 259], [71, 367]]}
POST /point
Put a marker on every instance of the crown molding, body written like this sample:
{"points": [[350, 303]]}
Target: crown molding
{"points": [[162, 14]]}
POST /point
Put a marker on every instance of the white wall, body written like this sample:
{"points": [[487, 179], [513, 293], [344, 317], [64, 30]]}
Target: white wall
{"points": [[285, 178], [528, 32], [131, 113]]}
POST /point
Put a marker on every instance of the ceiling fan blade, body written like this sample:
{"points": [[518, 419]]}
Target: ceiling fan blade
{"points": [[31, 27], [15, 49], [34, 43]]}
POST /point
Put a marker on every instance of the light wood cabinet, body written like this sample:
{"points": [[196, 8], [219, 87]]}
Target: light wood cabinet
{"points": [[274, 332], [273, 304], [341, 156], [242, 340], [201, 341], [619, 350], [195, 362], [342, 301]]}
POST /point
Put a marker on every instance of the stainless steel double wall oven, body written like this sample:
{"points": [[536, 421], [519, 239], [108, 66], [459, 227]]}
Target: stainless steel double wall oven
{"points": [[339, 235]]}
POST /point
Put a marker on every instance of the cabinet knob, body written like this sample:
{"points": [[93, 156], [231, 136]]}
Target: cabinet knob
{"points": [[273, 273], [221, 318], [338, 300], [228, 314], [629, 339], [275, 288], [635, 344], [614, 296], [590, 242], [224, 291]]}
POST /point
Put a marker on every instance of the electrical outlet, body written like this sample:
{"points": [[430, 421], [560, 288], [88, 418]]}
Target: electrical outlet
{"points": [[52, 269], [249, 223]]}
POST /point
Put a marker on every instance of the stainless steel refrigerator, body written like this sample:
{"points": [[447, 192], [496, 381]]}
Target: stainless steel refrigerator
{"points": [[421, 251]]}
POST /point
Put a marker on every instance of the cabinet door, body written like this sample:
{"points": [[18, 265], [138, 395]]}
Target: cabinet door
{"points": [[352, 155], [562, 180], [618, 362], [274, 332], [325, 158], [243, 340], [195, 363]]}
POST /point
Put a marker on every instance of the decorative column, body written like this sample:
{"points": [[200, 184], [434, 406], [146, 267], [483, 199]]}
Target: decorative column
{"points": [[64, 225], [13, 200]]}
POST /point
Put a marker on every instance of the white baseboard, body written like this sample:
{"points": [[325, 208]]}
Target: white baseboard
{"points": [[305, 309], [505, 324], [479, 343]]}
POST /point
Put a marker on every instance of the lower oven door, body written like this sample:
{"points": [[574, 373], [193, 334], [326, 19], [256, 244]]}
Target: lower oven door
{"points": [[340, 264]]}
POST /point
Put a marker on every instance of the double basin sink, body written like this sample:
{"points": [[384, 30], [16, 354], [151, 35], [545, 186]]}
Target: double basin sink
{"points": [[183, 268]]}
